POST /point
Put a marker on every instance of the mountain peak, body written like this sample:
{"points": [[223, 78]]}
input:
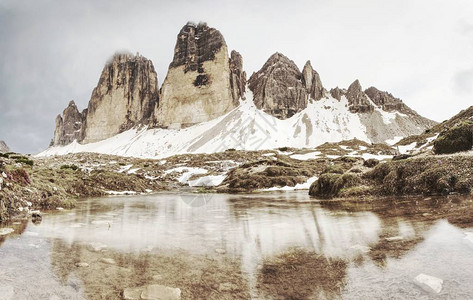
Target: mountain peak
{"points": [[4, 147]]}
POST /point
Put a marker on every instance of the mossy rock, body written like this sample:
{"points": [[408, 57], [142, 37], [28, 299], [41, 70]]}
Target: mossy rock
{"points": [[334, 169], [370, 163], [456, 139], [329, 184]]}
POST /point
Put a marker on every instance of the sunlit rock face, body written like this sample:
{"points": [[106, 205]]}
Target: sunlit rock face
{"points": [[203, 82], [69, 126], [126, 95]]}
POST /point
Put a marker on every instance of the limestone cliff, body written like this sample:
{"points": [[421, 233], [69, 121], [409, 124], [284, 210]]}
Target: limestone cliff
{"points": [[203, 82], [125, 96], [69, 126]]}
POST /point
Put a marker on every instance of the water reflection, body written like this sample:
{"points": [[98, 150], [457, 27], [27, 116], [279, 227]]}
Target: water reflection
{"points": [[238, 246]]}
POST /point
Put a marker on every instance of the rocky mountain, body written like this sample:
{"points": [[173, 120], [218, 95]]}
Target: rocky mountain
{"points": [[203, 82], [203, 95], [452, 135], [278, 88], [69, 126], [126, 95], [4, 147]]}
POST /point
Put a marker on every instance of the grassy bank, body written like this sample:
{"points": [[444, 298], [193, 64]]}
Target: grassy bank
{"points": [[428, 175]]}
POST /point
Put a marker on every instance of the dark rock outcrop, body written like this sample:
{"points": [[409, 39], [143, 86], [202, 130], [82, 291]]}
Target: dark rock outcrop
{"points": [[69, 126], [358, 102], [311, 81], [277, 87], [456, 139], [195, 45], [337, 93], [386, 101], [125, 96], [203, 82], [4, 147], [237, 77]]}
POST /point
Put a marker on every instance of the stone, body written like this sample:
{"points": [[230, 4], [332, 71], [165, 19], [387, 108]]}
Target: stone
{"points": [[3, 147], [311, 81], [358, 101], [68, 126], [198, 86], [157, 277], [36, 214], [7, 292], [277, 87], [429, 283], [82, 265], [6, 231], [108, 260], [160, 292], [128, 87], [394, 238], [97, 247], [132, 293], [220, 251], [227, 287]]}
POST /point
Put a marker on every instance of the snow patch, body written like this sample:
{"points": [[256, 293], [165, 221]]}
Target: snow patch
{"points": [[306, 156], [300, 186], [210, 180]]}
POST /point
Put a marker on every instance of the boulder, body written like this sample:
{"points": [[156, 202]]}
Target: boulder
{"points": [[456, 139], [160, 292], [203, 82], [429, 283], [152, 292]]}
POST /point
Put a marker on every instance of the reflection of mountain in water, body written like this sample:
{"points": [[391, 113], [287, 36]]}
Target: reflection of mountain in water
{"points": [[264, 239]]}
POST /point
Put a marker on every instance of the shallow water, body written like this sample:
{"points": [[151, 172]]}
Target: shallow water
{"points": [[197, 241]]}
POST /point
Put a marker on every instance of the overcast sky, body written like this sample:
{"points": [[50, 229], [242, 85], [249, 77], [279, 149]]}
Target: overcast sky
{"points": [[52, 51]]}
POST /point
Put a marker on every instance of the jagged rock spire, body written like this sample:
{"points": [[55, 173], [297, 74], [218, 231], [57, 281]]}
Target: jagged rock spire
{"points": [[203, 82]]}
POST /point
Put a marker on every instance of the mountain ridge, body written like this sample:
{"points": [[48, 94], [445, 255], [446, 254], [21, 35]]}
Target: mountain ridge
{"points": [[205, 83]]}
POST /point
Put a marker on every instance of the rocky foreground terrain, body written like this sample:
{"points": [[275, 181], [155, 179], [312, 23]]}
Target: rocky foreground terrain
{"points": [[349, 169], [30, 183]]}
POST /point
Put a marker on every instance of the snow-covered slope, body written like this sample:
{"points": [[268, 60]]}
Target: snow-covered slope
{"points": [[248, 128]]}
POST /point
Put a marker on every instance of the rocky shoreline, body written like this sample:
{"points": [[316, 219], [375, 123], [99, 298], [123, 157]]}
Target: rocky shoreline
{"points": [[352, 170]]}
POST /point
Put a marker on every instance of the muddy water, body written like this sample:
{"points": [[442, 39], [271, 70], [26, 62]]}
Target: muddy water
{"points": [[215, 246]]}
